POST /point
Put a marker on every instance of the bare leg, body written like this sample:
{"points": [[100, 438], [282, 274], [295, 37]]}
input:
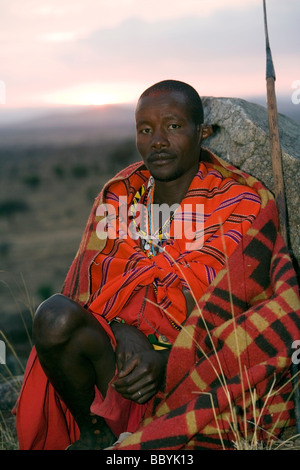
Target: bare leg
{"points": [[76, 354]]}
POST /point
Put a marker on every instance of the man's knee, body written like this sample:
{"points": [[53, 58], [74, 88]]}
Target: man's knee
{"points": [[54, 322]]}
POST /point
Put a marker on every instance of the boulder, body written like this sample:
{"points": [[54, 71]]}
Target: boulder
{"points": [[241, 137]]}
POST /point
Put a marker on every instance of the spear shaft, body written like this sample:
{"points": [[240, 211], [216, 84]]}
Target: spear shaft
{"points": [[275, 147], [276, 156]]}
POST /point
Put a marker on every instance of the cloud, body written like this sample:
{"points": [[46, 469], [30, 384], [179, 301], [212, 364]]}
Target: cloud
{"points": [[225, 43], [157, 47], [216, 45], [58, 36]]}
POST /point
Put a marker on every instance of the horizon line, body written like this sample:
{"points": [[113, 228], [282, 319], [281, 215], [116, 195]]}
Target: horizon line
{"points": [[6, 106]]}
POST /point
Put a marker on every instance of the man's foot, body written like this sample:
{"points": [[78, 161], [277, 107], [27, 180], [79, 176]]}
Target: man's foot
{"points": [[97, 437]]}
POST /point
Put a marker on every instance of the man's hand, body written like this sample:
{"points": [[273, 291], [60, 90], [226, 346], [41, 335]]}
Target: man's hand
{"points": [[130, 341], [141, 370], [142, 375]]}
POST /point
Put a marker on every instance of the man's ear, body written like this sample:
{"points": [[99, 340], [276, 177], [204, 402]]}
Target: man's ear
{"points": [[206, 131]]}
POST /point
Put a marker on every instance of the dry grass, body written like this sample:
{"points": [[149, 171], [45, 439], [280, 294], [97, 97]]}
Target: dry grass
{"points": [[10, 388], [8, 434], [10, 383]]}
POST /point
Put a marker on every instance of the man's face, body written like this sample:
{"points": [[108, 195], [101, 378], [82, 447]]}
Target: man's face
{"points": [[167, 138]]}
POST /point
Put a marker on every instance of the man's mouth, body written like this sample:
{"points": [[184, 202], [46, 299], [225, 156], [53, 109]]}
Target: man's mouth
{"points": [[160, 158]]}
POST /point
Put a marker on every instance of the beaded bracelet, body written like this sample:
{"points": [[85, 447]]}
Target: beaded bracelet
{"points": [[117, 320]]}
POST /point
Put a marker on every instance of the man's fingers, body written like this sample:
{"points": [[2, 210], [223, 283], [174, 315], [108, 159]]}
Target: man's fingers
{"points": [[125, 375], [127, 367], [140, 392]]}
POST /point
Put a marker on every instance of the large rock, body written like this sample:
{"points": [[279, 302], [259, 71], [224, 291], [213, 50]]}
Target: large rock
{"points": [[241, 136]]}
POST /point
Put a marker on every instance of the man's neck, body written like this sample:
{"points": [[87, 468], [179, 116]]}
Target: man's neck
{"points": [[172, 192]]}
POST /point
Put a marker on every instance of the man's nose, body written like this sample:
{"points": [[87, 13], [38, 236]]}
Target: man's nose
{"points": [[159, 139]]}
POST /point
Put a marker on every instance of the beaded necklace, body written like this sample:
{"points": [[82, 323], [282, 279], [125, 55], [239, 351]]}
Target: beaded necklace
{"points": [[151, 241]]}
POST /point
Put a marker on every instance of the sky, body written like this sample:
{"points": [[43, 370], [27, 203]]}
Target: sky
{"points": [[85, 52]]}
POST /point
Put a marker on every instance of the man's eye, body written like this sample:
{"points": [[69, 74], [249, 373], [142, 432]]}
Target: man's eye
{"points": [[174, 126], [146, 131]]}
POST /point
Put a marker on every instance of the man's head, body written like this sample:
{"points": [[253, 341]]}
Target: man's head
{"points": [[169, 118], [192, 97]]}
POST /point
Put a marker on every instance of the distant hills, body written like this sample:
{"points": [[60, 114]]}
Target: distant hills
{"points": [[67, 125], [84, 116], [284, 105], [72, 125]]}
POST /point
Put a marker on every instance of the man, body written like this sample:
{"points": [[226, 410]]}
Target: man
{"points": [[104, 346]]}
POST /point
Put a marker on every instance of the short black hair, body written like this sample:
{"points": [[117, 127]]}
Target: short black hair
{"points": [[193, 99]]}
